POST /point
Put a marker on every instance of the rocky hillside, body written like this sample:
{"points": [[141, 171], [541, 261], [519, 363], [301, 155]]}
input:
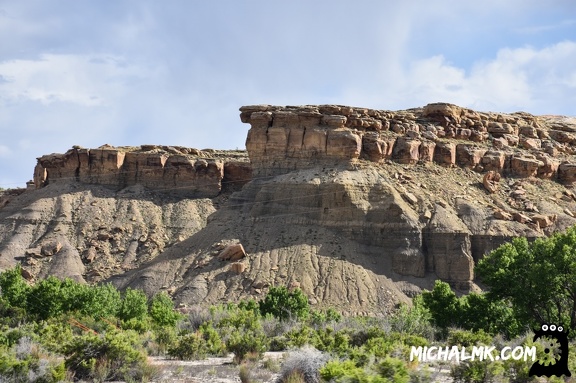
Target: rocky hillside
{"points": [[360, 208]]}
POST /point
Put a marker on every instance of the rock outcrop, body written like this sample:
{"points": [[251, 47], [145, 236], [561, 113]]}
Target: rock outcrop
{"points": [[189, 172], [360, 208], [282, 139]]}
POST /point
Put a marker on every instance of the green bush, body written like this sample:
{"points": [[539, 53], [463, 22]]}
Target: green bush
{"points": [[134, 305], [467, 338], [214, 343], [285, 304], [117, 355], [244, 343], [162, 310], [476, 371], [190, 346], [14, 288]]}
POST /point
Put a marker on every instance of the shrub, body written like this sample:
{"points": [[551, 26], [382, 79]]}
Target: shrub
{"points": [[476, 371], [189, 347], [466, 338], [14, 288], [134, 305], [162, 310], [244, 342], [305, 364], [118, 352], [285, 304]]}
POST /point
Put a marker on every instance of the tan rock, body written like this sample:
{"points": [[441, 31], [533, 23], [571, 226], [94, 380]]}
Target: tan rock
{"points": [[544, 221], [238, 267], [493, 160], [427, 151], [233, 252], [406, 150], [503, 215], [445, 153], [490, 181], [525, 166], [51, 248], [522, 218]]}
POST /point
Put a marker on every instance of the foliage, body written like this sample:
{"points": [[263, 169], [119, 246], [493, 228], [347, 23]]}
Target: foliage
{"points": [[476, 371], [285, 304], [472, 312], [118, 353], [468, 338], [162, 310], [304, 363], [189, 347], [538, 278], [413, 320], [245, 342], [14, 288], [134, 305]]}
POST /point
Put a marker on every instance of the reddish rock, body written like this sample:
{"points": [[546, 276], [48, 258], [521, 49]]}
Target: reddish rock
{"points": [[373, 148], [406, 150], [490, 181], [524, 166], [493, 160], [530, 143], [427, 151], [544, 221], [445, 153], [549, 167], [238, 267], [567, 172], [232, 253], [469, 156], [51, 248]]}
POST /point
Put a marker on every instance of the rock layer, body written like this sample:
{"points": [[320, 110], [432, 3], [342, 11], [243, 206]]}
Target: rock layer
{"points": [[188, 172]]}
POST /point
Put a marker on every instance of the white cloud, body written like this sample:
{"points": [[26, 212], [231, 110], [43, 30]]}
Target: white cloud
{"points": [[534, 80], [86, 80]]}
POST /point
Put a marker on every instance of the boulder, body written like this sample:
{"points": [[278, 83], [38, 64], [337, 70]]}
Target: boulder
{"points": [[490, 181], [233, 253], [50, 248], [406, 150], [445, 153]]}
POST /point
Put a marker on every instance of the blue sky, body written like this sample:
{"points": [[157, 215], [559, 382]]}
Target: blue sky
{"points": [[131, 72]]}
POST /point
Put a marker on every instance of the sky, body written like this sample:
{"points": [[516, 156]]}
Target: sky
{"points": [[175, 72]]}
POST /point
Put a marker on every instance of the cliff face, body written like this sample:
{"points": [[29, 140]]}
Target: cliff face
{"points": [[189, 172], [360, 208], [518, 145]]}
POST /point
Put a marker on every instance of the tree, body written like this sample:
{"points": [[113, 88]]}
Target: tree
{"points": [[162, 310], [284, 304], [134, 305], [538, 278], [14, 288]]}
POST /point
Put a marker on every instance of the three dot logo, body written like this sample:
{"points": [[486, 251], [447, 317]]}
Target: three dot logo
{"points": [[553, 360]]}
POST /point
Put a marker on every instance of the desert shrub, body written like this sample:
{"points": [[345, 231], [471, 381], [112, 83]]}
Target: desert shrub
{"points": [[335, 342], [457, 337], [322, 317], [214, 344], [415, 320], [239, 318], [28, 362], [393, 369], [347, 371], [114, 354], [162, 310], [476, 371], [134, 305], [285, 304], [189, 347], [165, 338], [304, 363], [301, 336], [245, 342], [14, 288]]}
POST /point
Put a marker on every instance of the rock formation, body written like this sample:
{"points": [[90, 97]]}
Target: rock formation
{"points": [[358, 207], [189, 172]]}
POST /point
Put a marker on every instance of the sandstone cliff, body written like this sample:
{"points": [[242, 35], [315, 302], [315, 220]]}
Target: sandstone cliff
{"points": [[360, 208]]}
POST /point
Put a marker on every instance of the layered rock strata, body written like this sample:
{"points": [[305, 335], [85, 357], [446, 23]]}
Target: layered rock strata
{"points": [[179, 170], [282, 139]]}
